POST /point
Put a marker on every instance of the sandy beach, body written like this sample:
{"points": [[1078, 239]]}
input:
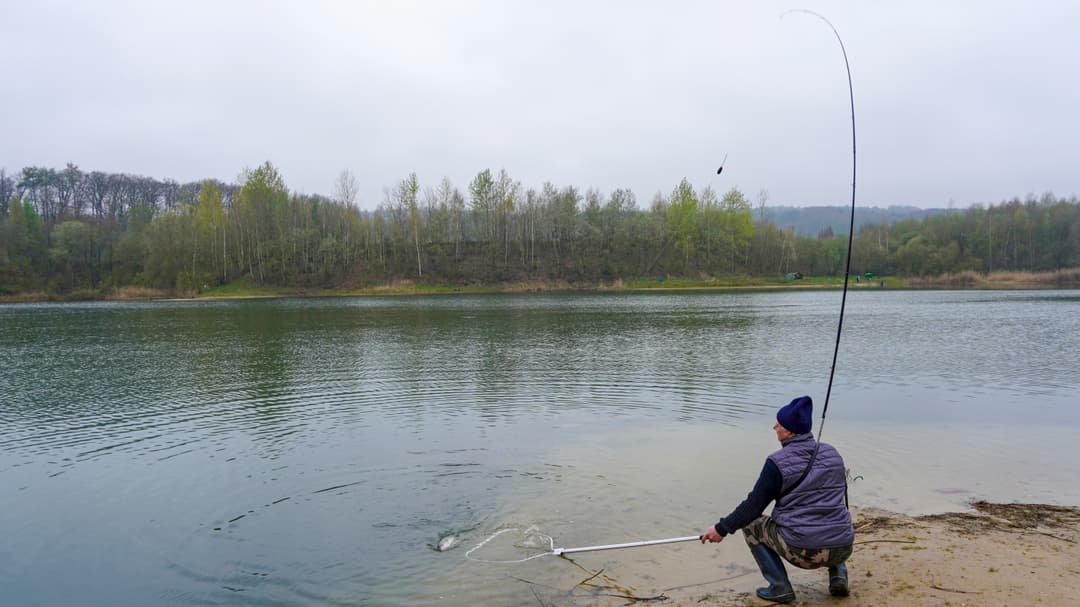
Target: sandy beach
{"points": [[992, 555]]}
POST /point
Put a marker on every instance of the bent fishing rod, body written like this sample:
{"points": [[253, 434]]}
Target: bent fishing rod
{"points": [[843, 302], [851, 222], [847, 264]]}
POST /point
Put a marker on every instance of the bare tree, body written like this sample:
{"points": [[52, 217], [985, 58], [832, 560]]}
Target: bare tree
{"points": [[407, 193], [345, 193], [345, 188]]}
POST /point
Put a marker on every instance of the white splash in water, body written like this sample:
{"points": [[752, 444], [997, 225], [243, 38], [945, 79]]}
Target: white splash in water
{"points": [[447, 543]]}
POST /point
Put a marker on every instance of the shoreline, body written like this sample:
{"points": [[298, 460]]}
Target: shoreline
{"points": [[407, 289]]}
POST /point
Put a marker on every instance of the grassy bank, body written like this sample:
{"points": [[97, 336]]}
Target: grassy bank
{"points": [[104, 294], [822, 282], [1058, 279], [246, 287]]}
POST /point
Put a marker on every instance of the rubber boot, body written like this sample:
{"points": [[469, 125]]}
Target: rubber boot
{"points": [[772, 568], [838, 585]]}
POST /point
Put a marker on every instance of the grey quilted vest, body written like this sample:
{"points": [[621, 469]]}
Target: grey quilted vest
{"points": [[814, 514]]}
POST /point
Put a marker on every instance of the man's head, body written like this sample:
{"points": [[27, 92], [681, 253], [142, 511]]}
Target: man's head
{"points": [[794, 418]]}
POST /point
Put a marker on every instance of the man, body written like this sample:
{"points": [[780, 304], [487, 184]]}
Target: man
{"points": [[810, 525]]}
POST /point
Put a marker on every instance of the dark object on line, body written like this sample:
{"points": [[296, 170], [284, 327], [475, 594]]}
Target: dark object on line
{"points": [[722, 163]]}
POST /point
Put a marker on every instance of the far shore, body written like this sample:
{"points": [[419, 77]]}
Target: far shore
{"points": [[246, 288]]}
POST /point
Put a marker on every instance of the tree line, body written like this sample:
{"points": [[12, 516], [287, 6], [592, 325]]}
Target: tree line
{"points": [[66, 230]]}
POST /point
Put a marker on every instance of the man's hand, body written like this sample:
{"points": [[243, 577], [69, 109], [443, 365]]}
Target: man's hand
{"points": [[711, 536]]}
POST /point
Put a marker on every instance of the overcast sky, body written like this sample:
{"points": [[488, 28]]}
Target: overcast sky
{"points": [[965, 102]]}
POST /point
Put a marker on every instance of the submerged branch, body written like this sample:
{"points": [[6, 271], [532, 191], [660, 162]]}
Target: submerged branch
{"points": [[582, 582]]}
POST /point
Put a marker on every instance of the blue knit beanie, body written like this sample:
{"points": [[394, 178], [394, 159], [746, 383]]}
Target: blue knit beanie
{"points": [[797, 415]]}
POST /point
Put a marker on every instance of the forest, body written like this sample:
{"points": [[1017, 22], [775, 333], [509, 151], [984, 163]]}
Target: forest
{"points": [[67, 231]]}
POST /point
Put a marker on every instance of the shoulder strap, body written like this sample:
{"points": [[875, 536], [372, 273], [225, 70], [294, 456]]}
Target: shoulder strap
{"points": [[802, 477]]}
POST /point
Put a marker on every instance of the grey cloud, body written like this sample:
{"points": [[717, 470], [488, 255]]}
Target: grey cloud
{"points": [[969, 103]]}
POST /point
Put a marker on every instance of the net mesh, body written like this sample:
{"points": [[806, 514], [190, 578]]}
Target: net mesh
{"points": [[513, 541]]}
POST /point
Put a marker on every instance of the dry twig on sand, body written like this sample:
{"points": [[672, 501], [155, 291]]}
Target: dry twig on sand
{"points": [[936, 587]]}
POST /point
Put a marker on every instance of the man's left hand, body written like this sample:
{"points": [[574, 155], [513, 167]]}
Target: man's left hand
{"points": [[711, 536]]}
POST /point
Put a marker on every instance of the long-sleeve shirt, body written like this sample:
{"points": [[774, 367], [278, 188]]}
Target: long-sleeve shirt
{"points": [[766, 489]]}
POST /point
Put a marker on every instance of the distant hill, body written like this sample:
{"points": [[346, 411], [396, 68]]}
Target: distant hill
{"points": [[810, 221]]}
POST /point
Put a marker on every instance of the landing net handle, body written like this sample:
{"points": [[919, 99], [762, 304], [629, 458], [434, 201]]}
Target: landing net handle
{"points": [[670, 540]]}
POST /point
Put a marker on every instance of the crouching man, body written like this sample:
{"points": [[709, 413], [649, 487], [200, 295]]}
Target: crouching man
{"points": [[810, 526]]}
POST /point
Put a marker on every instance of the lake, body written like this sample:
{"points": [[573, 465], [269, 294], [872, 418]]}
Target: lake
{"points": [[315, 451]]}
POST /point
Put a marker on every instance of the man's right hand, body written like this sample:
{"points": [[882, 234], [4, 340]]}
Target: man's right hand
{"points": [[711, 536]]}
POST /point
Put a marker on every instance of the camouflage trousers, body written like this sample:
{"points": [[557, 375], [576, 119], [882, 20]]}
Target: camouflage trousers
{"points": [[764, 531]]}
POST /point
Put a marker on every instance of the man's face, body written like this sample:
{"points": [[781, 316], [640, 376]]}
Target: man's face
{"points": [[781, 432]]}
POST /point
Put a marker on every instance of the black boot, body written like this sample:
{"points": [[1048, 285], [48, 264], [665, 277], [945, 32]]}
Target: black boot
{"points": [[772, 568], [838, 580]]}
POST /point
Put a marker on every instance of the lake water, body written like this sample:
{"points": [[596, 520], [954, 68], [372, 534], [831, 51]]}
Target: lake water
{"points": [[313, 451]]}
